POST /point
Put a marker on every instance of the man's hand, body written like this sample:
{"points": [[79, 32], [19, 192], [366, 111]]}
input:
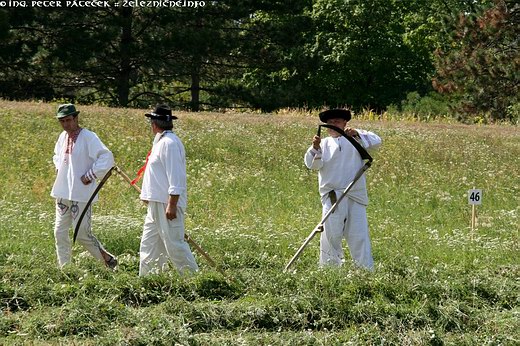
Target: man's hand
{"points": [[351, 132], [316, 140], [85, 180], [171, 211], [171, 208]]}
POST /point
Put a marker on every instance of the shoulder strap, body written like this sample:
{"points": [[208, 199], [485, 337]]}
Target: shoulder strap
{"points": [[362, 151]]}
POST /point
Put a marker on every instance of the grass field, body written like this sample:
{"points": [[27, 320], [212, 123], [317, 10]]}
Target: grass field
{"points": [[251, 204]]}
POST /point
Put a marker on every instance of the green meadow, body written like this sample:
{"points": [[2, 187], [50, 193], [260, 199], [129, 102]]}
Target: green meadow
{"points": [[251, 204]]}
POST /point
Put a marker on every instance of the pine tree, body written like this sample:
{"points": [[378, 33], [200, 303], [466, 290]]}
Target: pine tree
{"points": [[481, 65]]}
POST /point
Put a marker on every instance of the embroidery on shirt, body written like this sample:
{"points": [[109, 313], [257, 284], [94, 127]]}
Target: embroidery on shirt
{"points": [[71, 140]]}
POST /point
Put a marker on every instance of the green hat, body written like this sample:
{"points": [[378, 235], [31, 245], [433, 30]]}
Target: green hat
{"points": [[65, 110]]}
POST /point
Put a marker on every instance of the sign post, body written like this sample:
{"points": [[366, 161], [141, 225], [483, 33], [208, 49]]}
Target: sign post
{"points": [[474, 199]]}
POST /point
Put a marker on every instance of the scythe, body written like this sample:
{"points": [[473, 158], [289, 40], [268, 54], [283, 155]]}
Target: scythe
{"points": [[127, 179], [320, 227], [186, 236], [89, 202]]}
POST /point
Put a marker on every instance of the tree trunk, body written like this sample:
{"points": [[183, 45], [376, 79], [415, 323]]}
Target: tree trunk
{"points": [[195, 87], [125, 65]]}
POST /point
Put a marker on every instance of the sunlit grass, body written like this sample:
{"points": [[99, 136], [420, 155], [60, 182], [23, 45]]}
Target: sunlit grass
{"points": [[251, 203]]}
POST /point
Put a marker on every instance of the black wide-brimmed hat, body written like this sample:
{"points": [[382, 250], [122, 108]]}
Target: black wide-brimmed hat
{"points": [[335, 114], [161, 112]]}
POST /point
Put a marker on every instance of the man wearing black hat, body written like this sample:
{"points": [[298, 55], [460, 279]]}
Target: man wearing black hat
{"points": [[164, 190], [337, 162], [80, 158]]}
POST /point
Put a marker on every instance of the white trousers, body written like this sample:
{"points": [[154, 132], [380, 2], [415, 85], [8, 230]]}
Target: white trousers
{"points": [[163, 239], [348, 221], [67, 215]]}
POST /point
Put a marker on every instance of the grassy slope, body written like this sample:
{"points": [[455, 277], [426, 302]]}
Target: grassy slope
{"points": [[251, 204]]}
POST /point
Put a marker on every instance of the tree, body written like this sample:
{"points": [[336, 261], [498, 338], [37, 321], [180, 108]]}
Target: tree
{"points": [[363, 53], [124, 56], [107, 53], [263, 54], [272, 49], [92, 55], [206, 42], [480, 64], [231, 49], [20, 54]]}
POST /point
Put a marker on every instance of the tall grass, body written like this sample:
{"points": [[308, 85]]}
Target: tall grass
{"points": [[251, 204]]}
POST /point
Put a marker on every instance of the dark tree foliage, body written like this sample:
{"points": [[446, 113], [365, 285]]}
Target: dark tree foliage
{"points": [[189, 57], [480, 65], [223, 42], [273, 49], [350, 53], [20, 57], [264, 54], [365, 59], [94, 55]]}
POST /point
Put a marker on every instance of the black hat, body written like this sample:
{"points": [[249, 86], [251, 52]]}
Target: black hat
{"points": [[161, 112], [335, 114]]}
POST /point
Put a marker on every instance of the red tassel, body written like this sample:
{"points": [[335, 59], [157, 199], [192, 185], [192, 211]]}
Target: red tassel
{"points": [[140, 172]]}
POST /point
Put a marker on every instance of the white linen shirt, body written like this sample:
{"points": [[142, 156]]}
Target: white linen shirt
{"points": [[88, 153], [338, 161], [165, 173]]}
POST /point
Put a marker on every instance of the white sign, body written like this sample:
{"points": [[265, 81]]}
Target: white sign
{"points": [[475, 197]]}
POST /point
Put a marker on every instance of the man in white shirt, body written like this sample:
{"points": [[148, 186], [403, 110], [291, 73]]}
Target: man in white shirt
{"points": [[80, 158], [164, 190], [338, 161]]}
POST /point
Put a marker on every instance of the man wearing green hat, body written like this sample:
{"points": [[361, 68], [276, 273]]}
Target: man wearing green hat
{"points": [[337, 162], [80, 158]]}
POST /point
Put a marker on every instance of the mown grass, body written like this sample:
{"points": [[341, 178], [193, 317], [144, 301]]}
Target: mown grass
{"points": [[251, 204]]}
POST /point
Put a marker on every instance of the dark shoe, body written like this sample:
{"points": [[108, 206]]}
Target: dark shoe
{"points": [[111, 263]]}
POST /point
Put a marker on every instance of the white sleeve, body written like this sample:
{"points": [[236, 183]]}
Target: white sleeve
{"points": [[58, 148], [313, 159], [175, 166], [102, 157], [370, 141]]}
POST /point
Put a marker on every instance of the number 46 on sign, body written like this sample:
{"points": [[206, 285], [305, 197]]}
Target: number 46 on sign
{"points": [[475, 197]]}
